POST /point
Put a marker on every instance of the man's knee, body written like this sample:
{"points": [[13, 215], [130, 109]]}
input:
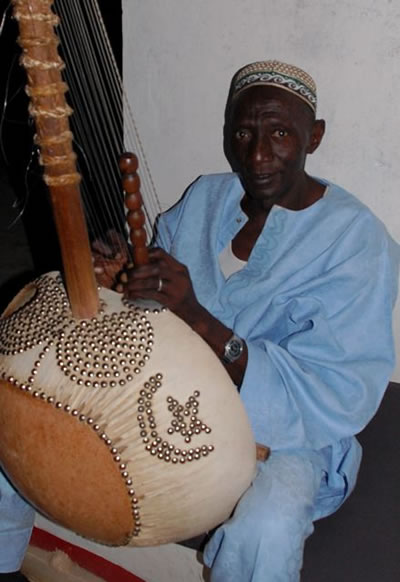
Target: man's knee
{"points": [[277, 527]]}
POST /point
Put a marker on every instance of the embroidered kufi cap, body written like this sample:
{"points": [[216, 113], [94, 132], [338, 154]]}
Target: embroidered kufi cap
{"points": [[276, 74]]}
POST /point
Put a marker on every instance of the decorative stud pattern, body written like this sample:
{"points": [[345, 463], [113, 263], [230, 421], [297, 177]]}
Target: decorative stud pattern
{"points": [[98, 353], [45, 315], [185, 422], [106, 353], [146, 310]]}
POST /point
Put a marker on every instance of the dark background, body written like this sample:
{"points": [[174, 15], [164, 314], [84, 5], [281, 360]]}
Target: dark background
{"points": [[17, 162]]}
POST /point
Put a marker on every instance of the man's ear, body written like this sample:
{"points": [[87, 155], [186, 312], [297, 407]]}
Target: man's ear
{"points": [[317, 133]]}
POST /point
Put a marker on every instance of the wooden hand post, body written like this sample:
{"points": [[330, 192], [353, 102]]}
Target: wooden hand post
{"points": [[51, 112]]}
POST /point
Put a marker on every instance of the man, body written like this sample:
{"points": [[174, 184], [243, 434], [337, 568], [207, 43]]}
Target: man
{"points": [[291, 281]]}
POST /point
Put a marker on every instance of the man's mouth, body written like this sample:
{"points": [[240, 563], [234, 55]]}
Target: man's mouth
{"points": [[262, 178]]}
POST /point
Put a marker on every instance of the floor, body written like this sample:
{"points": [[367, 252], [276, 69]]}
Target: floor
{"points": [[360, 543]]}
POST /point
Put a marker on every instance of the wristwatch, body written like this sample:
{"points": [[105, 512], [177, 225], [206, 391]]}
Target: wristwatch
{"points": [[233, 349]]}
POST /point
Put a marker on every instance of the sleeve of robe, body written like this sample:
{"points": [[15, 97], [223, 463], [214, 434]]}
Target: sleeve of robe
{"points": [[324, 382], [325, 379]]}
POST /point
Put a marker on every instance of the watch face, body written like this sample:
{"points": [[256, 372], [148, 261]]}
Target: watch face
{"points": [[235, 348]]}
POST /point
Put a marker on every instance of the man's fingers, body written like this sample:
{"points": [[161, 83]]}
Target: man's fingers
{"points": [[115, 246], [102, 248], [144, 272], [117, 241]]}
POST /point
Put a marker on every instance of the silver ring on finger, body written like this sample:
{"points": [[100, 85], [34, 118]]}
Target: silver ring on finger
{"points": [[160, 285]]}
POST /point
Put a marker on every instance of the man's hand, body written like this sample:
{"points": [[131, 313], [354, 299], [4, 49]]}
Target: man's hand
{"points": [[164, 280], [110, 259]]}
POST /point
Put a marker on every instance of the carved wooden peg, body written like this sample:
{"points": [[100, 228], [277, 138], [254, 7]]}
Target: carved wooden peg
{"points": [[128, 164]]}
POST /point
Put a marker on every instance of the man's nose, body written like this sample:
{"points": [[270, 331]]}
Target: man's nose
{"points": [[262, 150]]}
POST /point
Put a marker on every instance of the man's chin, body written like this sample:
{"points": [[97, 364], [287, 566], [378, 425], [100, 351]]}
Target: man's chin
{"points": [[263, 198]]}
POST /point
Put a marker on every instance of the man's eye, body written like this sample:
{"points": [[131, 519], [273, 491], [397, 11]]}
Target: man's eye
{"points": [[241, 134], [280, 132]]}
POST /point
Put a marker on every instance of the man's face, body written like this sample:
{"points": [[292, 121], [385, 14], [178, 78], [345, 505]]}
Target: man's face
{"points": [[269, 133]]}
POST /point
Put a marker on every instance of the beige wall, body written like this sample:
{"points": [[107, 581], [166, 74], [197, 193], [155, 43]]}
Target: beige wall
{"points": [[179, 56]]}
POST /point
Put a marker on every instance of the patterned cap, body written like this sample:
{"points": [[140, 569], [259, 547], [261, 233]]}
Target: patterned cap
{"points": [[277, 74]]}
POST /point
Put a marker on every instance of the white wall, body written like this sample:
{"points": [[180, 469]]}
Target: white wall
{"points": [[179, 56]]}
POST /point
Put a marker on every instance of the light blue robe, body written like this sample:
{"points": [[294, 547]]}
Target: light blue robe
{"points": [[314, 304], [16, 522]]}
